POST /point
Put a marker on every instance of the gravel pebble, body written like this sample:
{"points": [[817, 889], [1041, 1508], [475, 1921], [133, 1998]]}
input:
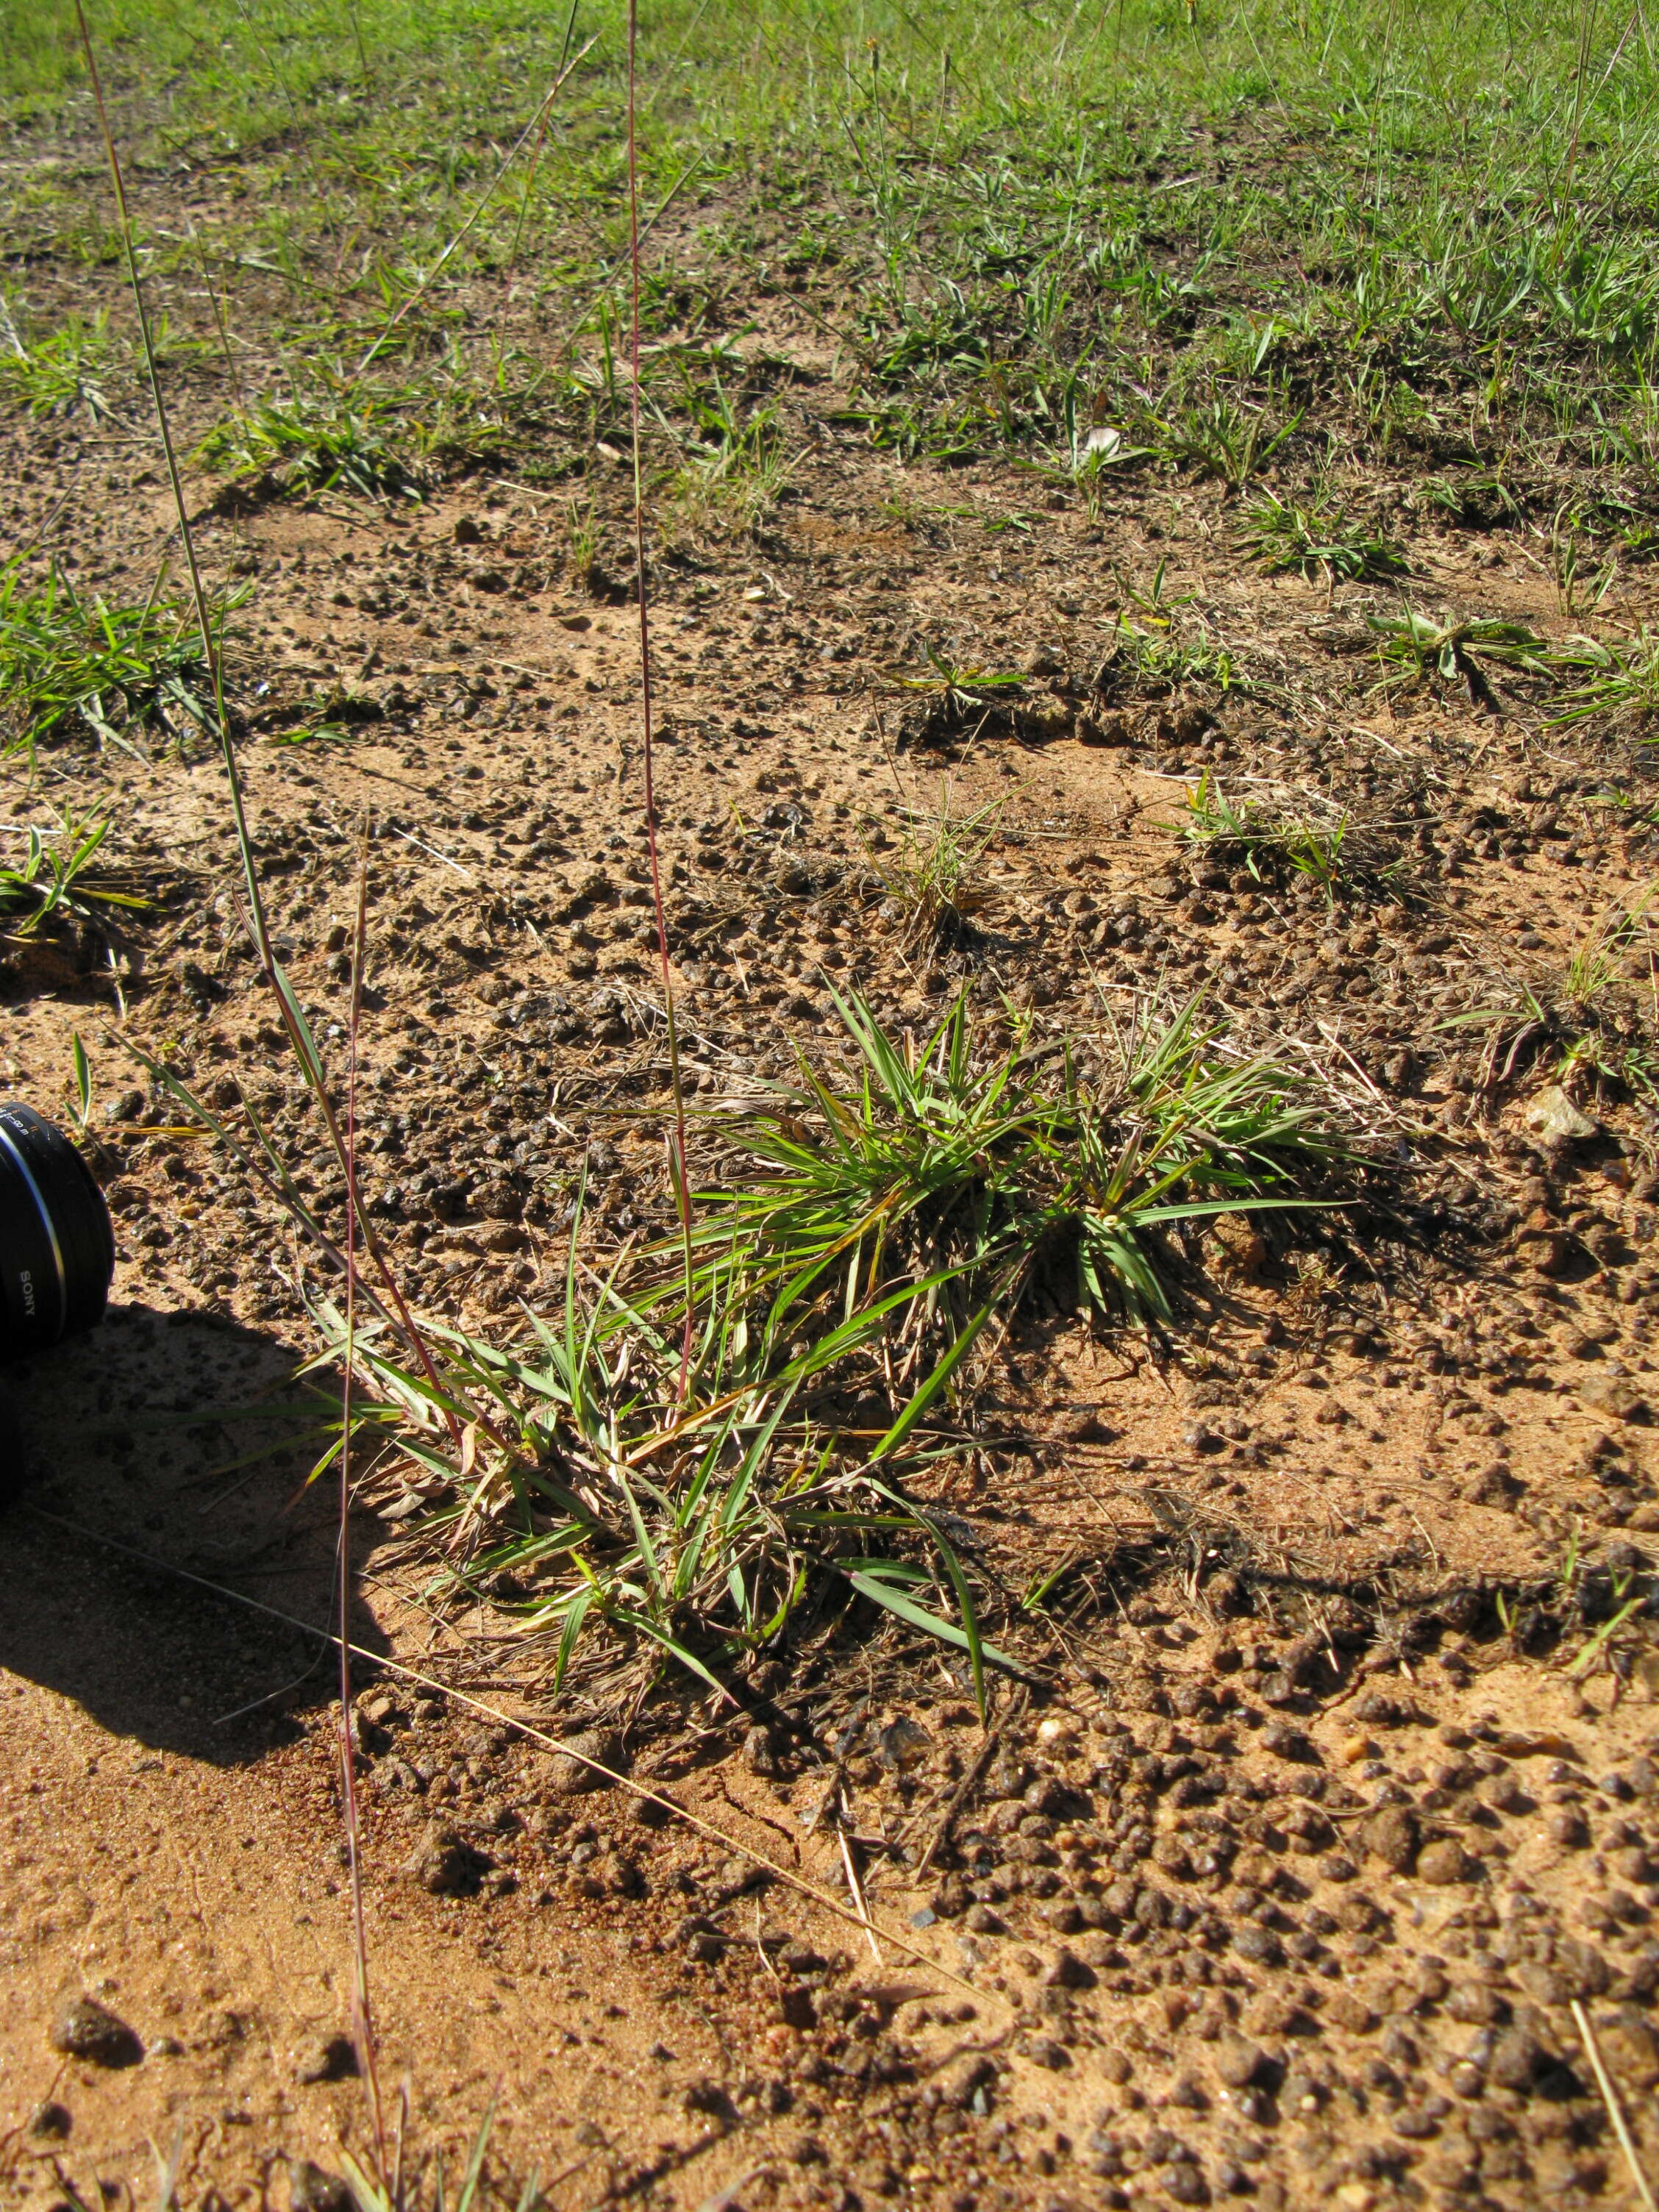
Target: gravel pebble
{"points": [[1443, 1862]]}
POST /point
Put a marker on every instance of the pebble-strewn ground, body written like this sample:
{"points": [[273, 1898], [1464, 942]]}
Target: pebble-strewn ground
{"points": [[1334, 1793]]}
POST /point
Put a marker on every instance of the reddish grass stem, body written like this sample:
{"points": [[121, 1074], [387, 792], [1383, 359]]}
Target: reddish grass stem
{"points": [[362, 2012], [361, 2017], [676, 1162]]}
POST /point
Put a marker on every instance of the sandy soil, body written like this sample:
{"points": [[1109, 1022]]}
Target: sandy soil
{"points": [[1285, 1881]]}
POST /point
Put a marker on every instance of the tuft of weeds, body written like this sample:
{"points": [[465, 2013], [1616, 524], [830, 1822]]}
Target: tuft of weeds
{"points": [[936, 1179], [1093, 455], [1618, 680], [1637, 810], [954, 695], [1314, 541], [1236, 829], [1601, 963], [314, 443], [1267, 842], [1416, 648], [1623, 1604], [869, 1224], [931, 875], [319, 734], [113, 669], [1319, 852], [733, 477], [1585, 1020], [1152, 660], [691, 1507], [581, 538], [330, 717], [1587, 1617], [59, 876], [1219, 437], [69, 370], [1477, 497], [373, 2189], [1573, 540], [62, 374]]}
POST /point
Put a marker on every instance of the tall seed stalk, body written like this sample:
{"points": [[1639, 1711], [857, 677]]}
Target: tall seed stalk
{"points": [[294, 1022], [362, 2010]]}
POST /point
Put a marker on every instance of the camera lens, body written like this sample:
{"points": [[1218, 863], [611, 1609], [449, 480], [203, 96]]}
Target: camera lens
{"points": [[56, 1247]]}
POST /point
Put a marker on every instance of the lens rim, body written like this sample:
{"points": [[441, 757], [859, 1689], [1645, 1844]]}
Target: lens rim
{"points": [[60, 1254]]}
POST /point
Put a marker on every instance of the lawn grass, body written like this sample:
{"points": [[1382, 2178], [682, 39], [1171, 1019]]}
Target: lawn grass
{"points": [[1139, 239], [71, 664]]}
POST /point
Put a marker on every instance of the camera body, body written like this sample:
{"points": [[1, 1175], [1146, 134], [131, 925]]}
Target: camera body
{"points": [[57, 1243]]}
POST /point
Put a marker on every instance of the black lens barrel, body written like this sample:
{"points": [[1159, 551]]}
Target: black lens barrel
{"points": [[57, 1245]]}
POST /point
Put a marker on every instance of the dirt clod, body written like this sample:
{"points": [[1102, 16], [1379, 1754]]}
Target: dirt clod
{"points": [[569, 1773], [442, 1863], [1516, 2059], [1239, 2061], [312, 2188], [957, 2083], [83, 2029], [325, 2058], [760, 1750], [1391, 1836], [1442, 1862]]}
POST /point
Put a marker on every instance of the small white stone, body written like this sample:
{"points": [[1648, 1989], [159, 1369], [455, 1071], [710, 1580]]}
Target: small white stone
{"points": [[1553, 1116]]}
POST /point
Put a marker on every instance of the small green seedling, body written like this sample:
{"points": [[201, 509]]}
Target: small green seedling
{"points": [[1310, 542]]}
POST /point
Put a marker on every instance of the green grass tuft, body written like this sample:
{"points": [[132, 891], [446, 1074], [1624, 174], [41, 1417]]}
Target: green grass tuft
{"points": [[931, 874], [59, 875], [1619, 680], [62, 374], [937, 1180], [1415, 649], [112, 670], [1269, 841], [1591, 1020], [870, 1226], [1311, 542], [315, 445]]}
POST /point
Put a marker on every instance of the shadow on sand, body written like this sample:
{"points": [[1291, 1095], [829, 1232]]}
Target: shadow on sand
{"points": [[181, 1438]]}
